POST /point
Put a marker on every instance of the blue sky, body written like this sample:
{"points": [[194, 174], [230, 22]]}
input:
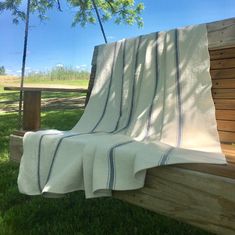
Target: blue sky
{"points": [[54, 42]]}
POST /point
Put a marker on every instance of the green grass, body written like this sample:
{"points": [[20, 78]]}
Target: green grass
{"points": [[57, 76], [21, 214]]}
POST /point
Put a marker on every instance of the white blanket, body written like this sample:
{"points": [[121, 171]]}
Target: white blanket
{"points": [[151, 105]]}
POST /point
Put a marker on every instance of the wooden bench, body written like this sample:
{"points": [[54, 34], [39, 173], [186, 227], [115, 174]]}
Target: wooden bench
{"points": [[199, 194]]}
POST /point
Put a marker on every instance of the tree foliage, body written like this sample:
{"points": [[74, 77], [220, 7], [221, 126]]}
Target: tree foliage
{"points": [[2, 70], [121, 11]]}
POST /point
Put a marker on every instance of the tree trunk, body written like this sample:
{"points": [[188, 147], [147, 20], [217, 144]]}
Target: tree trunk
{"points": [[23, 64]]}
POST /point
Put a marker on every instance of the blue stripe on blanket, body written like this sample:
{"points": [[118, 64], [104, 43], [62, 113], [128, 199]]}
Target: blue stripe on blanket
{"points": [[39, 159], [133, 84], [163, 160], [177, 59], [111, 170]]}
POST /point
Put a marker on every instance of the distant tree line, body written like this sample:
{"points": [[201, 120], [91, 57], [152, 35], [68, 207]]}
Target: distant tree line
{"points": [[2, 70]]}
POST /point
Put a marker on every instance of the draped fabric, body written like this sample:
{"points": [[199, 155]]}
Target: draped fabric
{"points": [[151, 106]]}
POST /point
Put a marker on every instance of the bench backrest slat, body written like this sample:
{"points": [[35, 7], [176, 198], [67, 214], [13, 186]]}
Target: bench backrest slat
{"points": [[223, 91]]}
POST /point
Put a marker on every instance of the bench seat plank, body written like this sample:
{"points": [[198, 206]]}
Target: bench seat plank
{"points": [[200, 199]]}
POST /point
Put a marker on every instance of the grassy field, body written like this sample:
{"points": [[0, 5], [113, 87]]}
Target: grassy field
{"points": [[59, 73], [21, 214], [9, 99], [34, 80]]}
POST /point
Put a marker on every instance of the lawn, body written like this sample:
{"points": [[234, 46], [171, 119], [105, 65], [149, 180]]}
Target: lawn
{"points": [[21, 214]]}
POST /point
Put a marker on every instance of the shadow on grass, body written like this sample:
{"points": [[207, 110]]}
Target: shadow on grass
{"points": [[9, 96], [58, 95], [62, 120], [50, 101]]}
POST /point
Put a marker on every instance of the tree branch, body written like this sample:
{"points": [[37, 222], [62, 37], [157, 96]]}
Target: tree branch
{"points": [[111, 6], [58, 5]]}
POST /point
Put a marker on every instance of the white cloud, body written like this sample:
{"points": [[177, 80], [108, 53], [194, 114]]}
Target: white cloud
{"points": [[82, 66], [110, 37], [11, 72], [60, 65], [18, 72]]}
